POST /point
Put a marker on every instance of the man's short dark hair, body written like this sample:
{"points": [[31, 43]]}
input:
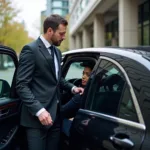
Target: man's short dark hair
{"points": [[53, 21]]}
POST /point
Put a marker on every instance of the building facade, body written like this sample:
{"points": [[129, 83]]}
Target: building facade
{"points": [[60, 7], [99, 23], [43, 16], [57, 7]]}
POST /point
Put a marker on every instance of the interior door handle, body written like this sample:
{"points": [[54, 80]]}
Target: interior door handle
{"points": [[125, 143], [4, 112]]}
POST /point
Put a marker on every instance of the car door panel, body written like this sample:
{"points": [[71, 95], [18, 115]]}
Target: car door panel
{"points": [[95, 131], [73, 75], [97, 126], [9, 103]]}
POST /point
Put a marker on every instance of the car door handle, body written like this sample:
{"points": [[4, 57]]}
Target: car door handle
{"points": [[125, 143]]}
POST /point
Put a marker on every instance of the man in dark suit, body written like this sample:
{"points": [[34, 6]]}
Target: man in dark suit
{"points": [[38, 83]]}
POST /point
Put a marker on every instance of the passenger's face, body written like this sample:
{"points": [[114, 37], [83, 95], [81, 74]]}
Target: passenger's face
{"points": [[59, 35], [86, 74]]}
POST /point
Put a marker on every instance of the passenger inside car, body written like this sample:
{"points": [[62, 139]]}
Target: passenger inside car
{"points": [[72, 106]]}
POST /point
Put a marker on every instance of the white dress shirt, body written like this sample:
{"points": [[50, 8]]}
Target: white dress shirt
{"points": [[47, 45]]}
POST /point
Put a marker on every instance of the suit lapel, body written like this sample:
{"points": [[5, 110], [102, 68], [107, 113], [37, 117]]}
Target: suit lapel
{"points": [[47, 56]]}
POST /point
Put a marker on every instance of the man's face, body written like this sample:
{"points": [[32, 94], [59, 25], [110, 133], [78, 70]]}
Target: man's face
{"points": [[59, 35], [86, 74]]}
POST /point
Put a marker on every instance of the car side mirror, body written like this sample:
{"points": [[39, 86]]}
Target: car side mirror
{"points": [[4, 88]]}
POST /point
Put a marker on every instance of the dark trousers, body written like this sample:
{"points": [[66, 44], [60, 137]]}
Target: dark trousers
{"points": [[42, 139]]}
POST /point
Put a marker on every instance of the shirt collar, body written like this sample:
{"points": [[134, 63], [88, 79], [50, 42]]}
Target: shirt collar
{"points": [[46, 43]]}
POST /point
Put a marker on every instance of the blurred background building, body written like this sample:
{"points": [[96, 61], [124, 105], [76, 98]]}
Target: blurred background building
{"points": [[59, 7], [98, 23], [43, 16]]}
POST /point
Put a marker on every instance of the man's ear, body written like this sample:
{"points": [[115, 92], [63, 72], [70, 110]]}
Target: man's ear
{"points": [[50, 30]]}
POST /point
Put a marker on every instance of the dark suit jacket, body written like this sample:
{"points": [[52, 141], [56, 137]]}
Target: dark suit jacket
{"points": [[36, 83]]}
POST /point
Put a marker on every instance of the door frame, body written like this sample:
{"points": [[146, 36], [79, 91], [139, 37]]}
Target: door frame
{"points": [[9, 51]]}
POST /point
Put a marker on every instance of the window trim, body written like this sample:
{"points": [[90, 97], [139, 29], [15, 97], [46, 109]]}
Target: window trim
{"points": [[134, 98], [130, 123], [66, 64], [10, 52]]}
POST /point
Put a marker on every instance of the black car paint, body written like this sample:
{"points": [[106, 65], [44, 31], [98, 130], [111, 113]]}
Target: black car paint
{"points": [[97, 132]]}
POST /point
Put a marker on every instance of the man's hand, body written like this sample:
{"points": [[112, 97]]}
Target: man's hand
{"points": [[45, 118], [77, 90]]}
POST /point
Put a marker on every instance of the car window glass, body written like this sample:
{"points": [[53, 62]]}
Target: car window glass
{"points": [[0, 87], [109, 92], [75, 71], [126, 108], [7, 69]]}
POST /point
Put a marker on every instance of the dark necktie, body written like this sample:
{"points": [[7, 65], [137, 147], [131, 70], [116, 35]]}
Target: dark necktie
{"points": [[52, 48]]}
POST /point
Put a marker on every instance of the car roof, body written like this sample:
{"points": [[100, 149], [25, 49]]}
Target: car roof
{"points": [[139, 54]]}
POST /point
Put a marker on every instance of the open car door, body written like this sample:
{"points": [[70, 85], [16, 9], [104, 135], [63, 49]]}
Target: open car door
{"points": [[72, 70], [9, 102]]}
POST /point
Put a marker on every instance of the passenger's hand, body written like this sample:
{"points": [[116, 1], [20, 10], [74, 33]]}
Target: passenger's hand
{"points": [[45, 118], [77, 90]]}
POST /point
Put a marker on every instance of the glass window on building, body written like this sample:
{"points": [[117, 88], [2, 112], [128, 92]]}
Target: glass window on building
{"points": [[57, 4], [83, 4], [139, 35], [87, 1], [146, 11], [64, 12], [57, 11], [65, 4], [144, 24], [139, 26], [108, 35], [146, 34], [111, 36]]}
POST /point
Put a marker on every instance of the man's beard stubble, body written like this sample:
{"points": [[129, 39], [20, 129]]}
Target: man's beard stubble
{"points": [[57, 43]]}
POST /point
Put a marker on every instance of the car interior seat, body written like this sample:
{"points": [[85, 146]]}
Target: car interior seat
{"points": [[108, 95], [5, 89]]}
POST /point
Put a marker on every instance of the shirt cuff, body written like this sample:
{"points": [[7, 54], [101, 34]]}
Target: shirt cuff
{"points": [[72, 90], [40, 111]]}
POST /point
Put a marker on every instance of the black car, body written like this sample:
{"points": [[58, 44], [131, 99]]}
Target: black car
{"points": [[115, 107]]}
